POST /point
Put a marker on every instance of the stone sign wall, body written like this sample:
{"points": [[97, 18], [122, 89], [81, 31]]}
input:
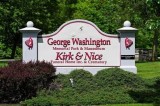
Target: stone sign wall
{"points": [[80, 44]]}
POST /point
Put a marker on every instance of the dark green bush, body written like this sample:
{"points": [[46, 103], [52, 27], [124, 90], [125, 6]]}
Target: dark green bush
{"points": [[69, 96], [20, 81], [143, 95], [82, 80], [63, 80], [115, 77], [157, 90], [106, 87], [150, 94], [66, 96]]}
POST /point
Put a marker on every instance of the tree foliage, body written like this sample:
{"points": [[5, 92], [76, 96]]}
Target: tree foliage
{"points": [[15, 13], [108, 15], [153, 23]]}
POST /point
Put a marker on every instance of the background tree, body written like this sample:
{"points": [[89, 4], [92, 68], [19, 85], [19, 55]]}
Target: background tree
{"points": [[153, 23], [108, 15], [15, 13]]}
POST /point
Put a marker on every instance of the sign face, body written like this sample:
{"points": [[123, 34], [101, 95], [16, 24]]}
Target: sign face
{"points": [[79, 43]]}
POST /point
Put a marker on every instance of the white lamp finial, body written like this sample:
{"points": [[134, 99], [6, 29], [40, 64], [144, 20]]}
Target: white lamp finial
{"points": [[30, 24], [127, 24]]}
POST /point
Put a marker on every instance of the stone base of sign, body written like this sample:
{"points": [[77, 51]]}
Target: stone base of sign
{"points": [[93, 70], [132, 69], [67, 70]]}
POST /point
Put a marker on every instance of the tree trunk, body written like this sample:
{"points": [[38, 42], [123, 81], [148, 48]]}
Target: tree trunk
{"points": [[155, 45], [16, 39]]}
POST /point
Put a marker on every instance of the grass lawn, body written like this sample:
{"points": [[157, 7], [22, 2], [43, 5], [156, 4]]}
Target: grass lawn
{"points": [[148, 69]]}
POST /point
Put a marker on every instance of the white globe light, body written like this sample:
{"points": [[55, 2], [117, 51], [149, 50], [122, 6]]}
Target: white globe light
{"points": [[127, 24], [30, 24]]}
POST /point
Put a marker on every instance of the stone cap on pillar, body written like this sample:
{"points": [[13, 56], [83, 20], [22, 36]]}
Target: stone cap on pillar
{"points": [[127, 27], [30, 28]]}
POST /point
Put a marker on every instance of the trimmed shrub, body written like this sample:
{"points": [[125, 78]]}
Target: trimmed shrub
{"points": [[91, 90], [69, 96], [82, 80], [20, 81], [63, 80], [115, 77], [157, 89], [144, 95]]}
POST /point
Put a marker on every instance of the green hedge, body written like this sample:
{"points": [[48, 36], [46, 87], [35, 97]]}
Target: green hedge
{"points": [[115, 77], [71, 97], [108, 86]]}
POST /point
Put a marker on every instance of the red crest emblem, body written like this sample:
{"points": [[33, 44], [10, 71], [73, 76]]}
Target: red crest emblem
{"points": [[29, 43], [128, 43]]}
